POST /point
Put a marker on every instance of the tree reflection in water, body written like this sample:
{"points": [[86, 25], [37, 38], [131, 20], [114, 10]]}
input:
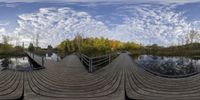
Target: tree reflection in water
{"points": [[169, 65], [53, 56], [15, 63], [5, 63]]}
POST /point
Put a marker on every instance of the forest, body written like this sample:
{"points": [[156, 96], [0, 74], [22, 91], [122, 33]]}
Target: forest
{"points": [[95, 46], [99, 46]]}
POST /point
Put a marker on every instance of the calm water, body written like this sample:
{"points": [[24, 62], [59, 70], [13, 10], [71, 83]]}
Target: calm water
{"points": [[53, 56], [15, 63], [169, 66], [23, 63]]}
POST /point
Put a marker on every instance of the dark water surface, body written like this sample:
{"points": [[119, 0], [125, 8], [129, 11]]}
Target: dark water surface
{"points": [[15, 63], [24, 63], [169, 66], [159, 65]]}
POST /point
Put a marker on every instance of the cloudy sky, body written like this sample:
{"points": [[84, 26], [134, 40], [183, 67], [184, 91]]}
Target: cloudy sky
{"points": [[164, 22]]}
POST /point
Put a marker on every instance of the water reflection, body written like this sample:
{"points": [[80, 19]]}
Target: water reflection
{"points": [[5, 63], [53, 56], [15, 63], [169, 66]]}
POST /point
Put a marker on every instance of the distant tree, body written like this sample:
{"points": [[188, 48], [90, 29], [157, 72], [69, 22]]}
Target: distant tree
{"points": [[18, 47], [94, 46], [49, 49], [78, 42], [5, 39], [31, 47], [68, 47], [198, 37], [192, 35], [6, 47]]}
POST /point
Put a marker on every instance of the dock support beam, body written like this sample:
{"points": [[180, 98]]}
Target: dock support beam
{"points": [[81, 57], [33, 55], [57, 59], [42, 61], [90, 66], [109, 58]]}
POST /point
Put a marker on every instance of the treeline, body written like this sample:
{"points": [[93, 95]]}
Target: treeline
{"points": [[9, 50], [99, 46], [37, 50], [192, 49], [95, 46]]}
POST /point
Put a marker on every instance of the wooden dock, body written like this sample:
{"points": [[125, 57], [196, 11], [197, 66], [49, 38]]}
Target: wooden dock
{"points": [[69, 80]]}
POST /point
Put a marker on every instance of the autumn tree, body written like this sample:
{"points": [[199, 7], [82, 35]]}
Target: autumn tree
{"points": [[78, 42], [94, 46]]}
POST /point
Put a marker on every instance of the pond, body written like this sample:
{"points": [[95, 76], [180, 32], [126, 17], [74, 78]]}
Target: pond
{"points": [[169, 66], [17, 63], [24, 63], [14, 63], [53, 56]]}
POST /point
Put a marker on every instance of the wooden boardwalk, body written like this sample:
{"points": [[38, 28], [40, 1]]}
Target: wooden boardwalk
{"points": [[69, 80]]}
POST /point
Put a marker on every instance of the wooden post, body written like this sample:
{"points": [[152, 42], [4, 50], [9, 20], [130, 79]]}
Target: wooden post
{"points": [[109, 58], [90, 67], [81, 57], [57, 58], [23, 46], [42, 61]]}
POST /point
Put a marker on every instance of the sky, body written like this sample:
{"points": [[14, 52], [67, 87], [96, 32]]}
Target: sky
{"points": [[146, 22]]}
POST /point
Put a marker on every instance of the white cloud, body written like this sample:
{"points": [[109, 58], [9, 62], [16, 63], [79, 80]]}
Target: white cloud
{"points": [[108, 1], [2, 31], [11, 37], [145, 24], [11, 5], [155, 24], [4, 24], [55, 25]]}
